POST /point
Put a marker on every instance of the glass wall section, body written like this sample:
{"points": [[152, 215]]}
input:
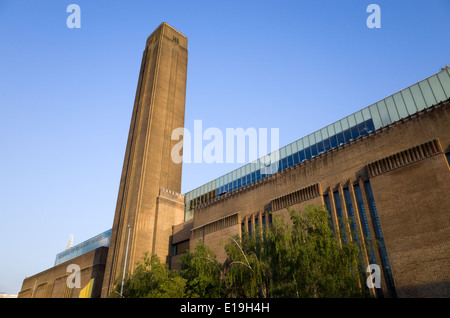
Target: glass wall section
{"points": [[406, 102], [379, 237], [382, 109], [353, 127], [307, 149], [319, 142], [295, 154], [312, 145], [326, 139], [364, 223], [346, 130], [337, 204], [365, 229], [351, 215], [409, 101], [444, 79], [339, 134], [418, 97], [400, 105], [436, 88], [392, 110], [84, 247], [327, 204]]}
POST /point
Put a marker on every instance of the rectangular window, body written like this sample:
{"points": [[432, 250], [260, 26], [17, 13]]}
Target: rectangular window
{"points": [[366, 232], [375, 116], [301, 155], [296, 158], [290, 161], [283, 163], [362, 129], [180, 247], [379, 237], [307, 153], [314, 150], [320, 147], [347, 135], [351, 215], [337, 203], [364, 223], [249, 227], [327, 204], [333, 141], [319, 141]]}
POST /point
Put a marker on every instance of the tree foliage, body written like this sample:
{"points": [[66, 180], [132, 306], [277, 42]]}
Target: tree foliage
{"points": [[203, 273], [299, 257], [151, 279]]}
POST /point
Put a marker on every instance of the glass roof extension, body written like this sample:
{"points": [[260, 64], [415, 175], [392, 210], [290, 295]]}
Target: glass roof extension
{"points": [[91, 244], [408, 101]]}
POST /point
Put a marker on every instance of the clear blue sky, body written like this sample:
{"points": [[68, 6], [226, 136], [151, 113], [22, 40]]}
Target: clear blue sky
{"points": [[66, 95]]}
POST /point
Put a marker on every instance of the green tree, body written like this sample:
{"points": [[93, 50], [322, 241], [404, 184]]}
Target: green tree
{"points": [[295, 257], [151, 279], [203, 273], [246, 270], [300, 257]]}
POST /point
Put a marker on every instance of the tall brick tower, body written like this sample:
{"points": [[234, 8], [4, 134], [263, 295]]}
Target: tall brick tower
{"points": [[148, 202]]}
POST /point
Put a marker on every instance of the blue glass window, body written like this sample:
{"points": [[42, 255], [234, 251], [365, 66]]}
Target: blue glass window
{"points": [[347, 135], [283, 163], [340, 138], [364, 222], [307, 153], [296, 158], [327, 144], [320, 147], [354, 131], [327, 203], [337, 203], [333, 141], [302, 155], [351, 215], [290, 161]]}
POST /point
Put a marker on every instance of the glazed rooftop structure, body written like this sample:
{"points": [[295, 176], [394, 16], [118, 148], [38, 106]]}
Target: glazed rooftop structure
{"points": [[408, 101]]}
